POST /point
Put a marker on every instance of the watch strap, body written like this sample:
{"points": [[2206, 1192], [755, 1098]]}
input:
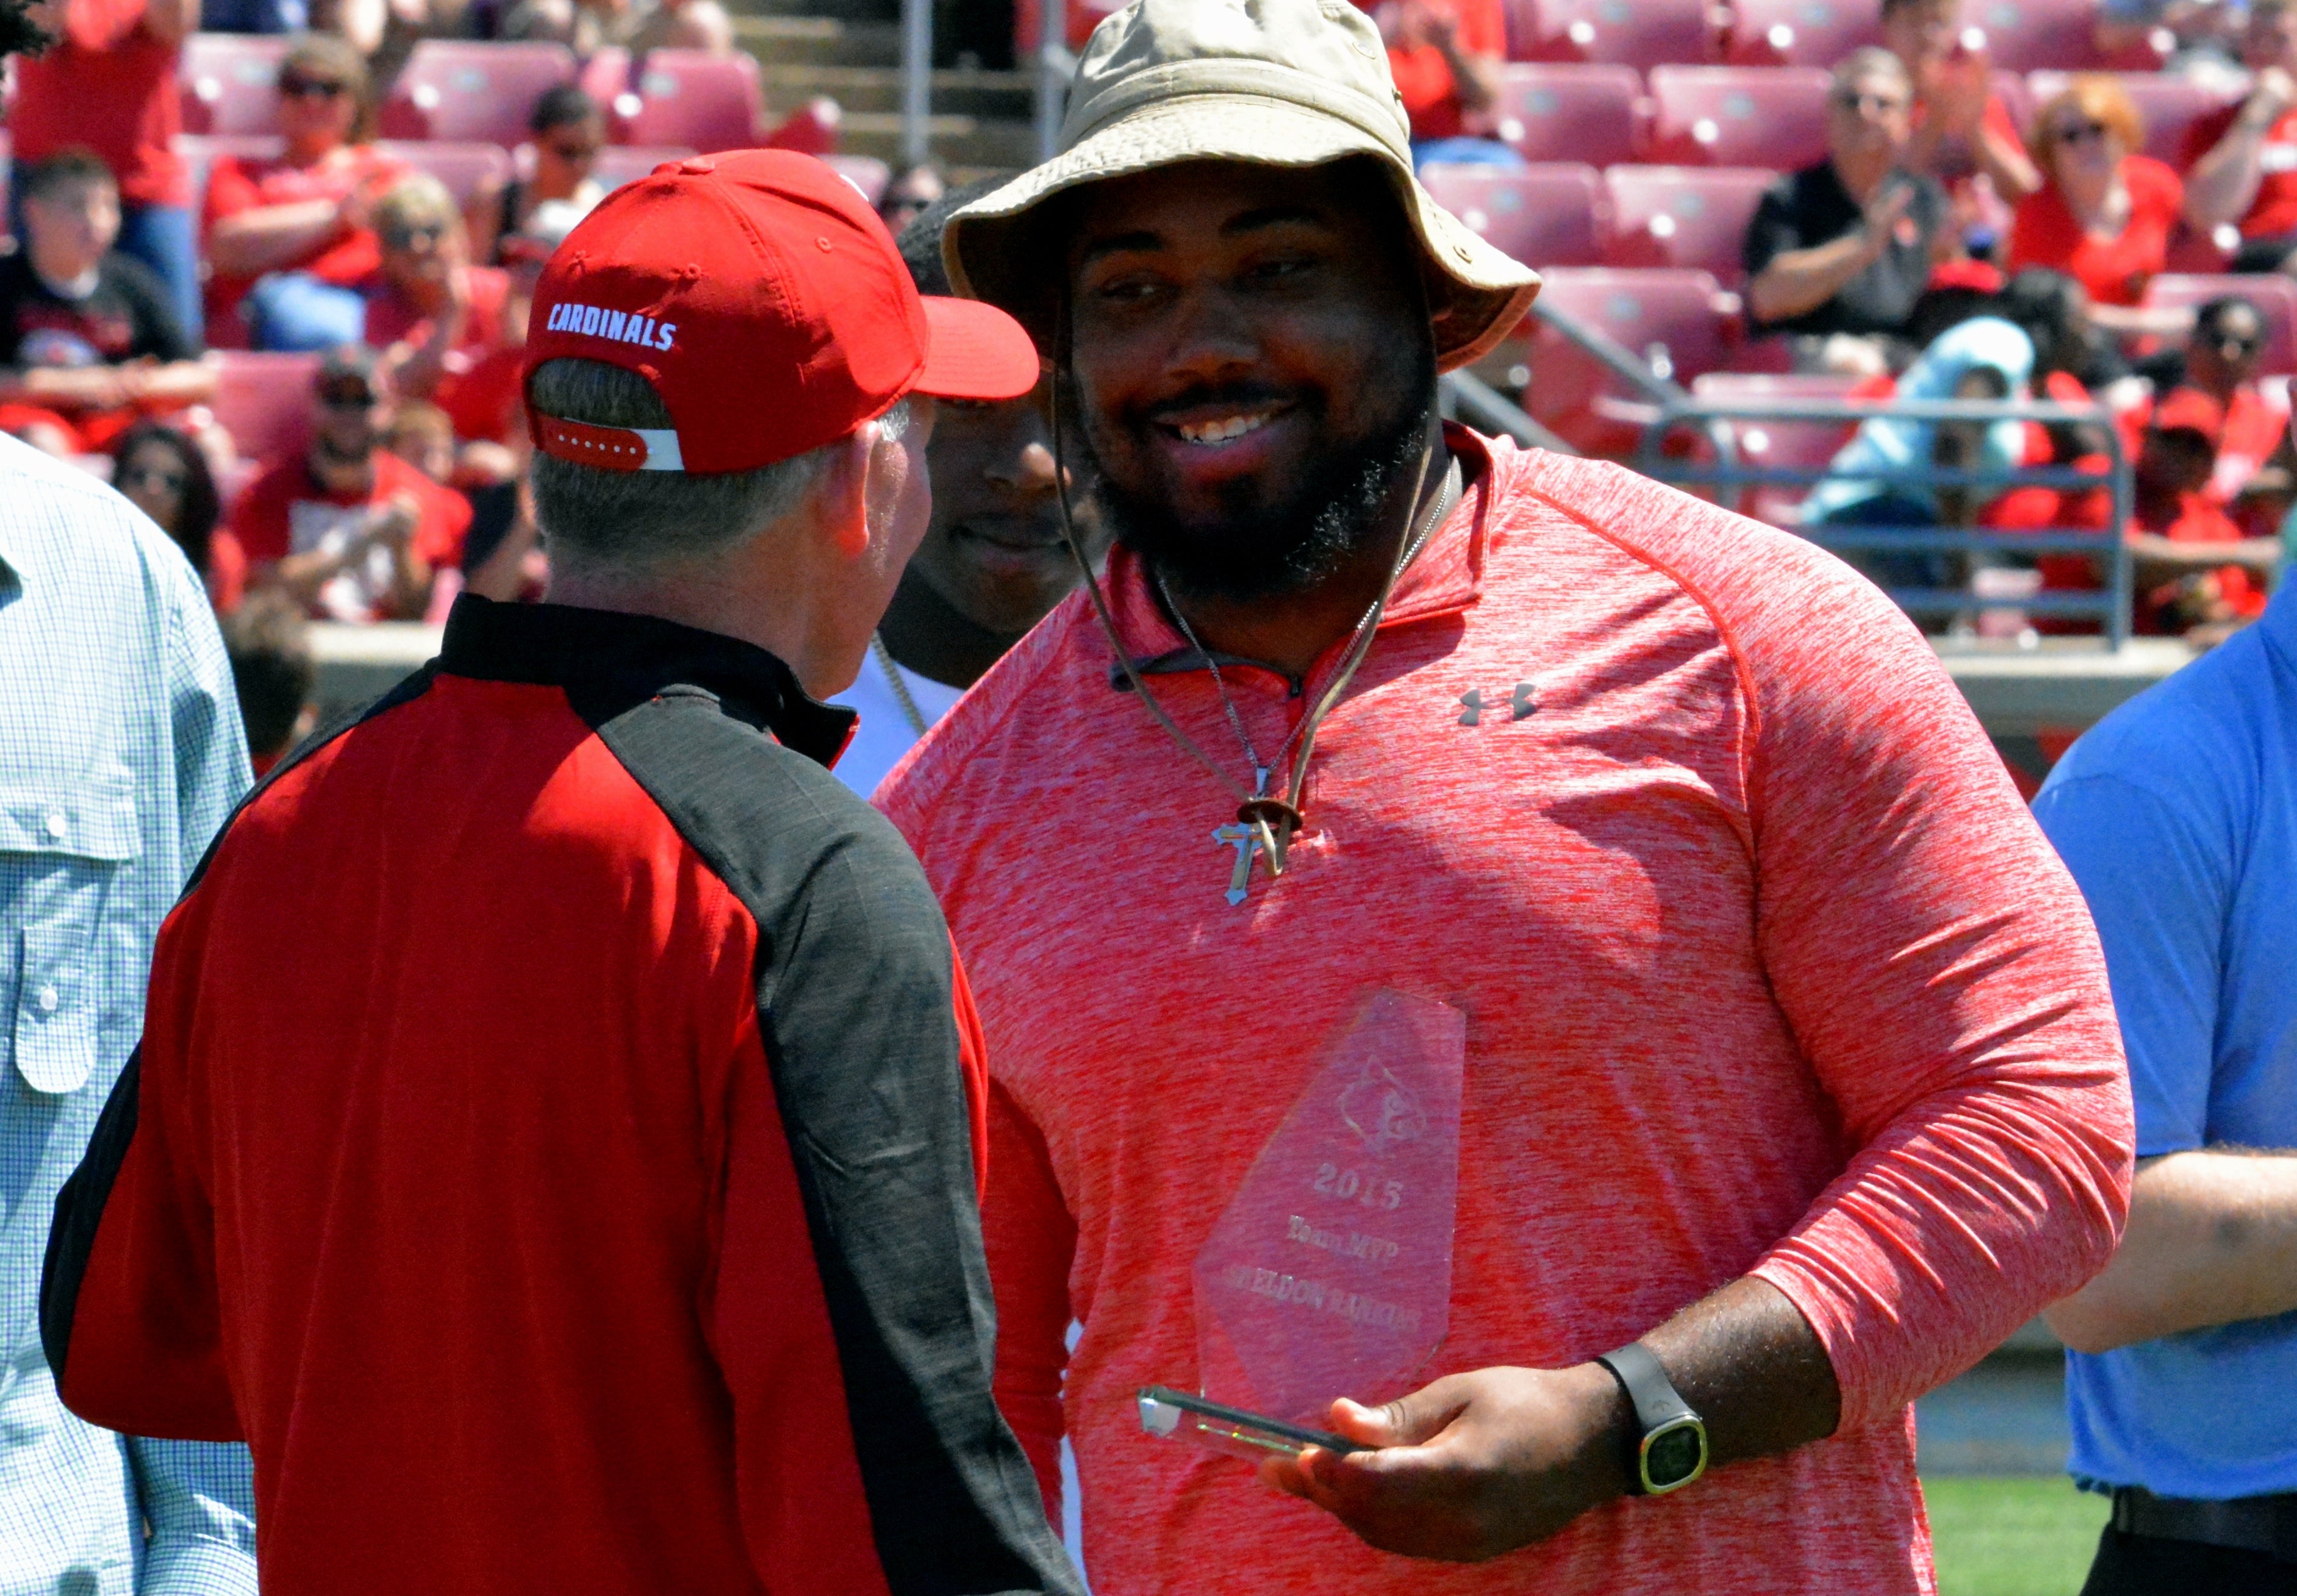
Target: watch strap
{"points": [[1656, 1400]]}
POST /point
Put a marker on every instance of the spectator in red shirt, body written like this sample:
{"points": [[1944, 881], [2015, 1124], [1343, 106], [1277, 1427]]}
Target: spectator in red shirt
{"points": [[2242, 161], [88, 342], [2104, 213], [108, 84], [433, 314], [2194, 569], [349, 530], [291, 236], [1445, 56], [1961, 126]]}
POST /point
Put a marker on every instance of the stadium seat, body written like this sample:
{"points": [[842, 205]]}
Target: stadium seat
{"points": [[691, 97], [263, 400], [2032, 36], [1692, 217], [627, 163], [1780, 445], [2273, 294], [1578, 113], [1679, 323], [1547, 215], [461, 166], [605, 74], [1801, 33], [865, 172], [227, 82], [1641, 34], [468, 90], [202, 151], [2169, 104], [1771, 117]]}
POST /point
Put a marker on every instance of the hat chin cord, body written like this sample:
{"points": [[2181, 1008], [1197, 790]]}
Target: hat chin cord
{"points": [[1277, 820]]}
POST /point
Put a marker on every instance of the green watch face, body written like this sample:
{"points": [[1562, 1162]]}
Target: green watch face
{"points": [[1674, 1455]]}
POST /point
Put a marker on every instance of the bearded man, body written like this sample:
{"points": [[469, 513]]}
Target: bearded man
{"points": [[1783, 1072]]}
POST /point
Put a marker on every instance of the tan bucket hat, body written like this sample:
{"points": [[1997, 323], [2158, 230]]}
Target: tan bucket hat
{"points": [[1287, 83]]}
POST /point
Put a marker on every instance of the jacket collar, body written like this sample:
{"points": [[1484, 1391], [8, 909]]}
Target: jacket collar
{"points": [[610, 662]]}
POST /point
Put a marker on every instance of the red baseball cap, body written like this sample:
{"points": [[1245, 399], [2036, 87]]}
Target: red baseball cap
{"points": [[767, 305], [2190, 410]]}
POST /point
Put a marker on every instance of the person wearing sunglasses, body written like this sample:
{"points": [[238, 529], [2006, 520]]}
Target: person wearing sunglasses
{"points": [[288, 238], [165, 474], [567, 130], [433, 314], [2105, 213]]}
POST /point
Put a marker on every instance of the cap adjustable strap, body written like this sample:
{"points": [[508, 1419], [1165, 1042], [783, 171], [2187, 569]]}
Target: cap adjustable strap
{"points": [[611, 449]]}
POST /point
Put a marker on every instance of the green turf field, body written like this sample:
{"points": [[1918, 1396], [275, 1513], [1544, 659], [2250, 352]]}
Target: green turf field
{"points": [[2011, 1537]]}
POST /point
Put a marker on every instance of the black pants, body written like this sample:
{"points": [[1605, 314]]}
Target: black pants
{"points": [[2131, 1565]]}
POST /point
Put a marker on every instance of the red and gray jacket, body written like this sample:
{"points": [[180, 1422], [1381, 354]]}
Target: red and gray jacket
{"points": [[553, 1149]]}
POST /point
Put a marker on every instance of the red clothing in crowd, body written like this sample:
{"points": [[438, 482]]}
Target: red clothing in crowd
{"points": [[1431, 99], [2274, 212], [391, 318], [109, 87], [284, 512], [483, 399], [2044, 233], [1764, 965], [351, 257]]}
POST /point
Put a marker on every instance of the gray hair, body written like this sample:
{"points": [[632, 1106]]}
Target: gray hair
{"points": [[633, 519], [1871, 60]]}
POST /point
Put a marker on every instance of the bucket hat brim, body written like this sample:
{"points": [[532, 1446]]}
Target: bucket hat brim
{"points": [[988, 251]]}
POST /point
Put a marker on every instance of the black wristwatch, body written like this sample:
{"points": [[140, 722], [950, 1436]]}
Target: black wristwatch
{"points": [[1671, 1444]]}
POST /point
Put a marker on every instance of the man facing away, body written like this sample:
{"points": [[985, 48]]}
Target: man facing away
{"points": [[992, 563], [551, 1145], [1789, 1078], [2178, 815]]}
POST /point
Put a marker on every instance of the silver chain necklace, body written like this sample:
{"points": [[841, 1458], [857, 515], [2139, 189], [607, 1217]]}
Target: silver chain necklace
{"points": [[900, 688]]}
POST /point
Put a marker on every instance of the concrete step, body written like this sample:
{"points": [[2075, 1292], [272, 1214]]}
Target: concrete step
{"points": [[1008, 96], [788, 41], [960, 142]]}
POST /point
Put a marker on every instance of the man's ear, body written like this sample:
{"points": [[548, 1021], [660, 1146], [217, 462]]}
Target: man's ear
{"points": [[841, 494]]}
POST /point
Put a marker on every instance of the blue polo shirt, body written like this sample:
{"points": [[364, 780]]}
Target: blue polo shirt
{"points": [[2177, 814]]}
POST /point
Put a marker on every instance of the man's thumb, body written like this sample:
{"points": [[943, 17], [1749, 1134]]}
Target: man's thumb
{"points": [[1407, 1421]]}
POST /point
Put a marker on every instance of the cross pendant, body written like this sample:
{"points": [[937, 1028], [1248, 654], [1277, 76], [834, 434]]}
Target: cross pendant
{"points": [[1250, 841]]}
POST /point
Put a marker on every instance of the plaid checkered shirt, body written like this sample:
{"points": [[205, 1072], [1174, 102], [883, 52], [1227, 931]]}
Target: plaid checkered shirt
{"points": [[120, 755]]}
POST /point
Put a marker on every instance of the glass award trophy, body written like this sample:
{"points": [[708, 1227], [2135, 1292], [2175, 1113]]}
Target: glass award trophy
{"points": [[1329, 1272]]}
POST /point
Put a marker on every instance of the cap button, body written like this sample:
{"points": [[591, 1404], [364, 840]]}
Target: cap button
{"points": [[698, 166]]}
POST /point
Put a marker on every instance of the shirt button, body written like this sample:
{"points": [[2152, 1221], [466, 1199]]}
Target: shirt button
{"points": [[57, 824], [47, 999]]}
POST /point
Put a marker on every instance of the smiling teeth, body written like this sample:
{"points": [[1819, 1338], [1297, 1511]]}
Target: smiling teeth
{"points": [[1221, 432]]}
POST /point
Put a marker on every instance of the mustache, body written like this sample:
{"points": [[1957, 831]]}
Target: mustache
{"points": [[1243, 396]]}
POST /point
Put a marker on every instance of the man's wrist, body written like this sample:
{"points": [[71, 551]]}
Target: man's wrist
{"points": [[1611, 1436]]}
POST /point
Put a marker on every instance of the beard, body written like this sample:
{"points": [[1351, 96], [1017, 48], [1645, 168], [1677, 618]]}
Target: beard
{"points": [[1251, 549]]}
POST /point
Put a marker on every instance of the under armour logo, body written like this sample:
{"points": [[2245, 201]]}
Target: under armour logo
{"points": [[1519, 704]]}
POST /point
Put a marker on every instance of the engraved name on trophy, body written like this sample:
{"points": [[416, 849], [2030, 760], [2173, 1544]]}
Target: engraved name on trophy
{"points": [[1329, 1272]]}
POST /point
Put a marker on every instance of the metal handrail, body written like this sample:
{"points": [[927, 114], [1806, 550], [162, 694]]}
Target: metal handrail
{"points": [[1485, 407], [1725, 415], [1629, 367]]}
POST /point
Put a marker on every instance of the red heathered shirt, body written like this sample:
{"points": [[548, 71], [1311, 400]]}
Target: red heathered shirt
{"points": [[1764, 965], [109, 87]]}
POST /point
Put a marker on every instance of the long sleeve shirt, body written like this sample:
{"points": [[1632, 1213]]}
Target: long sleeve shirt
{"points": [[120, 754], [1765, 969]]}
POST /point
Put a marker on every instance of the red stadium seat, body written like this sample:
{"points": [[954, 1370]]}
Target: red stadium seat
{"points": [[200, 152], [2274, 295], [1680, 323], [865, 172], [2169, 104], [227, 82], [627, 163], [1692, 217], [461, 166], [2032, 36], [1550, 215], [1780, 445], [1739, 116], [1631, 33], [1577, 113], [692, 97], [474, 91], [264, 401], [605, 75], [1801, 33]]}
